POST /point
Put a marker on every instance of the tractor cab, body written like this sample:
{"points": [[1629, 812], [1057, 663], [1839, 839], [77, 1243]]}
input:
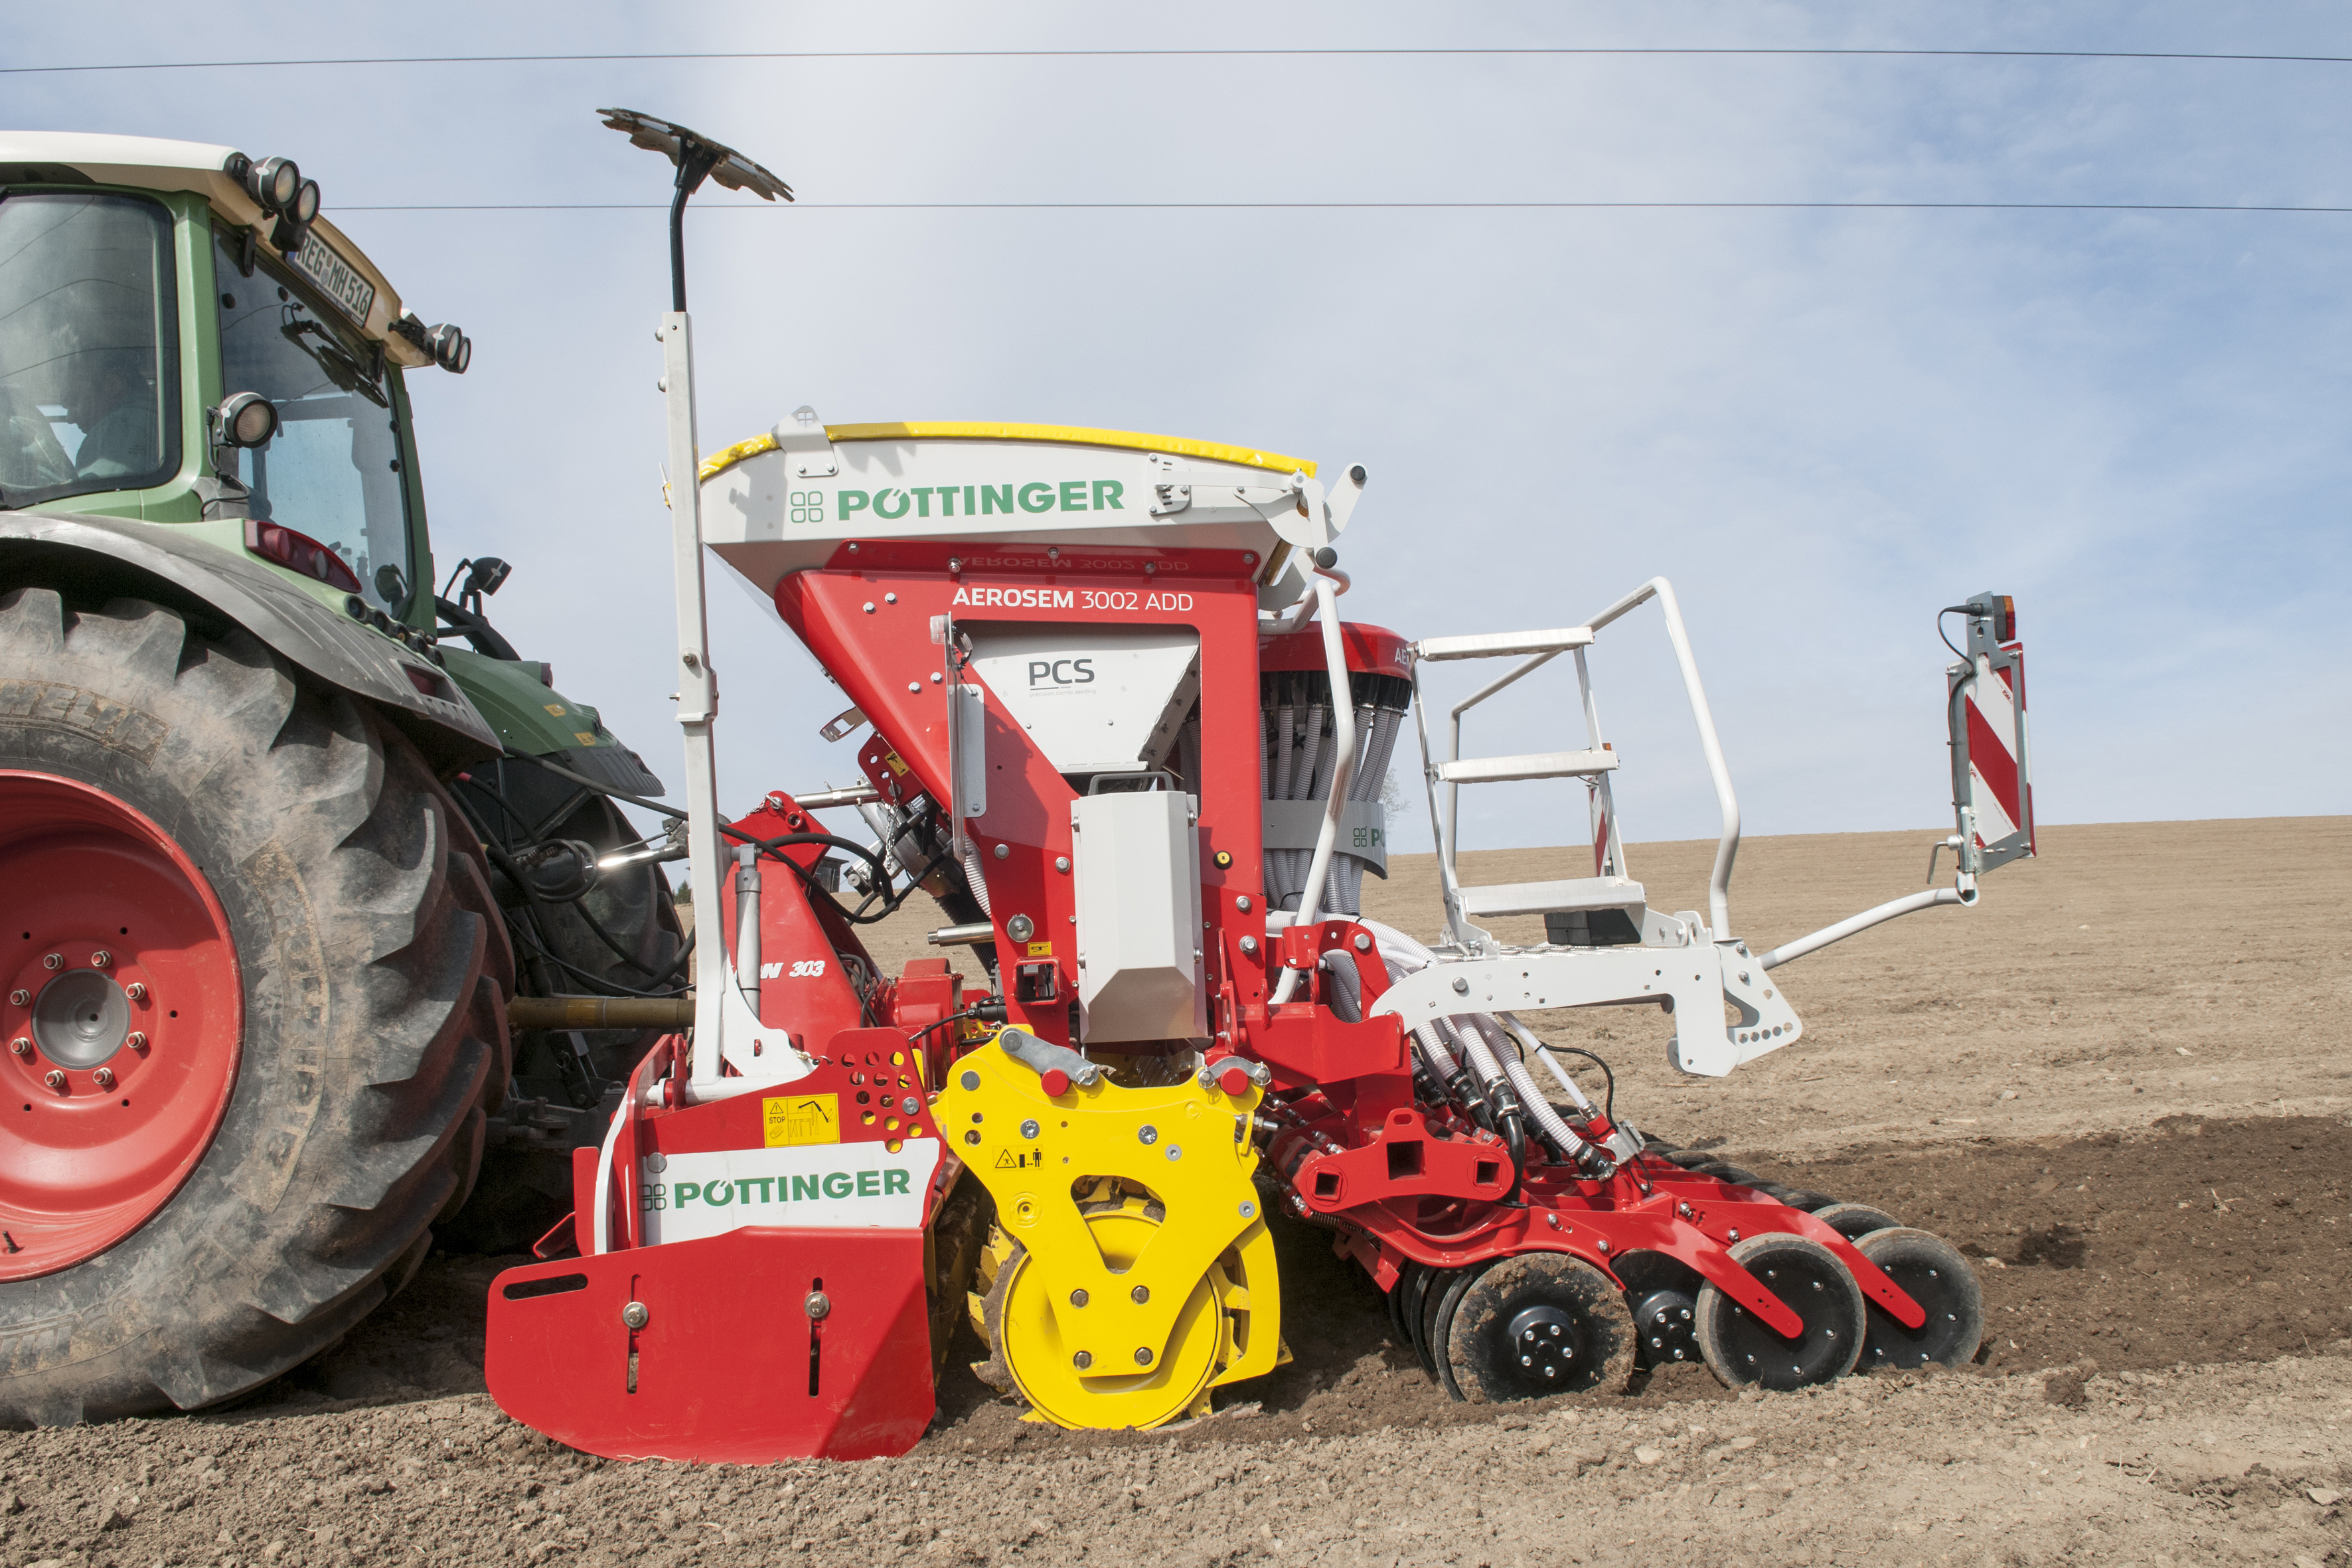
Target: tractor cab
{"points": [[185, 339]]}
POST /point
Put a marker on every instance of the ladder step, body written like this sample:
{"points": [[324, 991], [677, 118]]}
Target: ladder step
{"points": [[1536, 765], [1580, 893], [1502, 644]]}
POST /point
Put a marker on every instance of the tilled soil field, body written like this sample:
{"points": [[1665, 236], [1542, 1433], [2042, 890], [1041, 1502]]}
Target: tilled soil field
{"points": [[2165, 1252]]}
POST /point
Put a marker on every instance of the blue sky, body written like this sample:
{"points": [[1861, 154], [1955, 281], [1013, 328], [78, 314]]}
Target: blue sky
{"points": [[1821, 426]]}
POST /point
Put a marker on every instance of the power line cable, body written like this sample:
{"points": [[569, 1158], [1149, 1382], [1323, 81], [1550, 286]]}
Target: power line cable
{"points": [[1349, 207], [1503, 52]]}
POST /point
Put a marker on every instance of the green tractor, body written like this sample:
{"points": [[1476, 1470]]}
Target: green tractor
{"points": [[291, 844]]}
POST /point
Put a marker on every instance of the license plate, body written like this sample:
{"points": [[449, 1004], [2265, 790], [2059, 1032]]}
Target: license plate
{"points": [[336, 278]]}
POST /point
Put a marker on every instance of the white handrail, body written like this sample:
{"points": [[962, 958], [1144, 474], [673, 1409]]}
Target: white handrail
{"points": [[1718, 889]]}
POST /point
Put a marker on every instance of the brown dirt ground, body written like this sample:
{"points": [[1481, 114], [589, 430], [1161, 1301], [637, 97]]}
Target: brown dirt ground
{"points": [[2162, 1241]]}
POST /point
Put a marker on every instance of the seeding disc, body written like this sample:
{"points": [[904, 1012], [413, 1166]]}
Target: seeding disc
{"points": [[1937, 1277], [1854, 1221], [1099, 1395], [1811, 1281], [1534, 1324]]}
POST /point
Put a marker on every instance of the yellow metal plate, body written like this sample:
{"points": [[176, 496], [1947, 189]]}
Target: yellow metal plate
{"points": [[1194, 1248]]}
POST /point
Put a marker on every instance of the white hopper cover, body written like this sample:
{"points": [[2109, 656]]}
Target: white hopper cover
{"points": [[1094, 698]]}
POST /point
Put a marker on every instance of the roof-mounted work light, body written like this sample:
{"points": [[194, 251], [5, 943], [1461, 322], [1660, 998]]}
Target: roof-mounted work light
{"points": [[452, 350], [273, 182]]}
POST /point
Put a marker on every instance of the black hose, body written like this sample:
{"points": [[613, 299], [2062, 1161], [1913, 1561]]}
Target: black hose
{"points": [[768, 846], [1609, 1104], [1514, 1138], [544, 948], [613, 988], [580, 908], [540, 947]]}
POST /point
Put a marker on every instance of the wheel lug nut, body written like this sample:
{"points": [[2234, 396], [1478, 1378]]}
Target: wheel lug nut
{"points": [[53, 961], [1143, 1355], [100, 959], [104, 1077], [137, 1040], [21, 1046], [136, 991], [1141, 1294], [1083, 1359], [54, 1078], [20, 998]]}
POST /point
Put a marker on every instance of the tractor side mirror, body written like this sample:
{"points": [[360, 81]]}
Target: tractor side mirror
{"points": [[391, 587], [489, 573]]}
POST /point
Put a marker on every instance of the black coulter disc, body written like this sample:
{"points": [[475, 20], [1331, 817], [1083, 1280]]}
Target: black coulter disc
{"points": [[1416, 1289], [1537, 1324], [1438, 1307]]}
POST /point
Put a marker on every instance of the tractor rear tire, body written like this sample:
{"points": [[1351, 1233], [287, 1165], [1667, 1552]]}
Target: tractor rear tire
{"points": [[300, 925]]}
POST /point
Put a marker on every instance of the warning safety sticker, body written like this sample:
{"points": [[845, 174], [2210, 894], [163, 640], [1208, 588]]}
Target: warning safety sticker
{"points": [[795, 1118]]}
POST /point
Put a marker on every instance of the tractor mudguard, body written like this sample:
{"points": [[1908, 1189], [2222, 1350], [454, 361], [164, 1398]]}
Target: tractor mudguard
{"points": [[85, 555], [529, 715]]}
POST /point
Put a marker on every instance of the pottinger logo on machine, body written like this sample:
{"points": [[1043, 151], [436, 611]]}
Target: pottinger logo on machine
{"points": [[976, 500], [826, 1186]]}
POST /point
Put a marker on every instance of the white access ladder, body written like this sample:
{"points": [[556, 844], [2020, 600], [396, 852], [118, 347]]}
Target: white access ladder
{"points": [[1608, 908]]}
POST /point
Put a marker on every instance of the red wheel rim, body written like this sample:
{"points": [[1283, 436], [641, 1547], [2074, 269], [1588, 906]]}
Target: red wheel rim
{"points": [[122, 1013]]}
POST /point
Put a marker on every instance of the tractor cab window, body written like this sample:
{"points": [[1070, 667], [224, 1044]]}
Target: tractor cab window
{"points": [[332, 470], [88, 345]]}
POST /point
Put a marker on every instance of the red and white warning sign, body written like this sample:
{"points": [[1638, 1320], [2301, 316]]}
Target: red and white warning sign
{"points": [[1995, 789]]}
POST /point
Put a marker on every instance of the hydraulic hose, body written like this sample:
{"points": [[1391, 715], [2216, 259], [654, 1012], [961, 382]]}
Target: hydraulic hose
{"points": [[1346, 988], [1464, 1085], [1515, 1140], [1510, 1118], [1555, 1133]]}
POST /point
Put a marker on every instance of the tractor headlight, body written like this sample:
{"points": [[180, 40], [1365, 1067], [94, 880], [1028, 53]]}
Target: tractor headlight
{"points": [[246, 420], [275, 182], [305, 206]]}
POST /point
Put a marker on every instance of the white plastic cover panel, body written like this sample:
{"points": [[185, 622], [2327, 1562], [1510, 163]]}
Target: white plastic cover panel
{"points": [[1136, 870], [766, 521], [1094, 698]]}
